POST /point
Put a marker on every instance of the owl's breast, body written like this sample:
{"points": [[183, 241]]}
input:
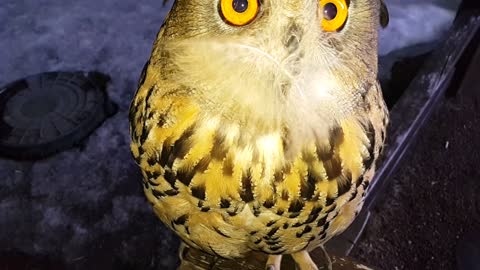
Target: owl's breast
{"points": [[227, 189]]}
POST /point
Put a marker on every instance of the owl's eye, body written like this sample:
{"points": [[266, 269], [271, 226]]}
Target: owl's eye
{"points": [[239, 12], [334, 14]]}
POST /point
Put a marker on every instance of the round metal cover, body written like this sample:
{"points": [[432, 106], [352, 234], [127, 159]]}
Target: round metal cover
{"points": [[50, 112]]}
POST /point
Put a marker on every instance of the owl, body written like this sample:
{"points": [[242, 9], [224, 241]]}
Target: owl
{"points": [[257, 123]]}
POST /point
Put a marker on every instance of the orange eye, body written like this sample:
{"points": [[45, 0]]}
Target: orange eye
{"points": [[239, 12], [334, 14]]}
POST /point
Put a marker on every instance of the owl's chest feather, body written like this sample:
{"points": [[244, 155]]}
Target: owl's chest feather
{"points": [[208, 178]]}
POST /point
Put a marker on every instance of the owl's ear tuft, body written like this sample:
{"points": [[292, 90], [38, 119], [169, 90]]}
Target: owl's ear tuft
{"points": [[384, 15]]}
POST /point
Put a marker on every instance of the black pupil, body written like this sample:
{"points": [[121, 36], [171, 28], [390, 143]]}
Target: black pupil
{"points": [[240, 5], [330, 11]]}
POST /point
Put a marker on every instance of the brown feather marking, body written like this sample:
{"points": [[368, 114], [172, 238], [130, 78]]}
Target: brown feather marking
{"points": [[181, 220], [324, 150], [172, 192], [307, 188], [246, 193], [224, 203], [343, 184], [322, 221], [333, 166], [198, 191], [228, 166], [305, 230], [202, 165], [170, 177], [285, 195], [370, 132], [314, 213], [219, 151], [296, 206], [166, 155], [158, 194], [183, 144], [186, 175], [269, 203], [336, 137]]}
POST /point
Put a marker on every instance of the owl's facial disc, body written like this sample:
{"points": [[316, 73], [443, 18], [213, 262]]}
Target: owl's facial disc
{"points": [[279, 81], [281, 64]]}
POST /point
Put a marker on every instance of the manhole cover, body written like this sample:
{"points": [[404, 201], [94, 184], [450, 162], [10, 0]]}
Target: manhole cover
{"points": [[50, 112]]}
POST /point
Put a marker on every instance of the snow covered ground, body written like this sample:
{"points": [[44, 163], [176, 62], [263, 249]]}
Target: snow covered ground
{"points": [[414, 22], [86, 204]]}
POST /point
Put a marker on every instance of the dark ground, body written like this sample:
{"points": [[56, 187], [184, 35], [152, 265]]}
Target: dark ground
{"points": [[434, 198]]}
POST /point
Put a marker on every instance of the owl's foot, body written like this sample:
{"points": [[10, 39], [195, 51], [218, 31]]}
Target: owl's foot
{"points": [[304, 261], [327, 261], [273, 262], [181, 250]]}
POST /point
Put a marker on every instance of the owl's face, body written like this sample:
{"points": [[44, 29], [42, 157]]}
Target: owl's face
{"points": [[289, 58]]}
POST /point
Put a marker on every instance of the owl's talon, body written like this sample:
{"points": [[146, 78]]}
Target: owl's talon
{"points": [[182, 251], [304, 261], [273, 262], [328, 261], [270, 267]]}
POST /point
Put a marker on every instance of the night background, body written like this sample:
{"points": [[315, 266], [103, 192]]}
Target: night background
{"points": [[84, 207]]}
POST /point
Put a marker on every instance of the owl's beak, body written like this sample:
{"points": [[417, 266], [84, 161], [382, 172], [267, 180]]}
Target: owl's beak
{"points": [[291, 41], [292, 37]]}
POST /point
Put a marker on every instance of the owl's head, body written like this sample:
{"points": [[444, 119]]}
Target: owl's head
{"points": [[287, 58]]}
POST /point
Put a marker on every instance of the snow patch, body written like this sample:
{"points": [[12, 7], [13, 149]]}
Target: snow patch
{"points": [[412, 24]]}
